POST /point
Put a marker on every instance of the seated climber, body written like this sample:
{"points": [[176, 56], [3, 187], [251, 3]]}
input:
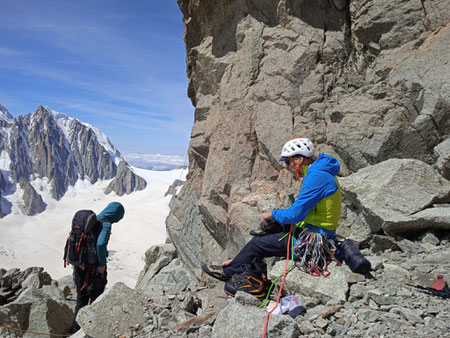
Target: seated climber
{"points": [[315, 214]]}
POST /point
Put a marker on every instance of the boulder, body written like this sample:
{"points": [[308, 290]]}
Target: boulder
{"points": [[171, 278], [238, 320], [157, 257], [397, 195], [442, 152], [300, 282], [37, 280], [68, 287], [14, 281], [34, 310], [116, 312]]}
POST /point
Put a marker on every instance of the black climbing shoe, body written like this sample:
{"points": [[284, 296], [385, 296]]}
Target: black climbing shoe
{"points": [[215, 271]]}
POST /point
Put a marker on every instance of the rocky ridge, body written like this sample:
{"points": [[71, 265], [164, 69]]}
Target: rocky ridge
{"points": [[52, 147], [368, 83]]}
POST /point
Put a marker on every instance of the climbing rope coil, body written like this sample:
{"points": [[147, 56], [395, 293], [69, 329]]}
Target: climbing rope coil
{"points": [[314, 252]]}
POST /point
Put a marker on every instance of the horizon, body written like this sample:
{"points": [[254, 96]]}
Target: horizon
{"points": [[117, 67]]}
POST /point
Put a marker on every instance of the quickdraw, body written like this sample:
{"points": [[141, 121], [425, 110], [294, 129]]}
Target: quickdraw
{"points": [[315, 252]]}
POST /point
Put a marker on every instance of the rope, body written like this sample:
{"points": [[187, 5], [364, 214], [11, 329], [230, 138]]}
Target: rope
{"points": [[184, 164], [281, 274], [282, 283], [38, 333]]}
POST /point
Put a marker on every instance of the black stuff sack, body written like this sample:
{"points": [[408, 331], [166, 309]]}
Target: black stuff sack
{"points": [[81, 244], [353, 257]]}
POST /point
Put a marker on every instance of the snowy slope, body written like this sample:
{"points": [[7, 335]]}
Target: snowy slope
{"points": [[39, 240]]}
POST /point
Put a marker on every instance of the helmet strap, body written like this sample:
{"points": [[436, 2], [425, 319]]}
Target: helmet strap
{"points": [[298, 169]]}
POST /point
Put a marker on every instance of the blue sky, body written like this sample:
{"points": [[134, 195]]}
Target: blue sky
{"points": [[116, 64]]}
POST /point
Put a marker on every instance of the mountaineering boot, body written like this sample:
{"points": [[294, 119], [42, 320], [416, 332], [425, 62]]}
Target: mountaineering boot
{"points": [[254, 285], [215, 271]]}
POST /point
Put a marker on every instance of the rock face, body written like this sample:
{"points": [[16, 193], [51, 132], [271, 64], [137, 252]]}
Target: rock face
{"points": [[34, 203], [126, 181], [59, 150], [366, 81]]}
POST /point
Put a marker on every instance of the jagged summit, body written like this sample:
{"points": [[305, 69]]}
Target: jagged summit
{"points": [[66, 123], [51, 146], [5, 115]]}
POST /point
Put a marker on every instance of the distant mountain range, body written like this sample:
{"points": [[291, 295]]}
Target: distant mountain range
{"points": [[52, 149]]}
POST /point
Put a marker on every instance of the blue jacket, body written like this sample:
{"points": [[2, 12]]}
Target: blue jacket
{"points": [[319, 185], [111, 214]]}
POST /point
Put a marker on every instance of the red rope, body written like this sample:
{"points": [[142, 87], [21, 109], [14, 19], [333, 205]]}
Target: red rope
{"points": [[282, 283]]}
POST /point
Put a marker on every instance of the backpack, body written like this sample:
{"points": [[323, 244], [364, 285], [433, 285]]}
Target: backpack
{"points": [[81, 244], [354, 258]]}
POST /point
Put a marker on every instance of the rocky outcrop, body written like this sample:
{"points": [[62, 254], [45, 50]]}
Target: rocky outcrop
{"points": [[57, 149], [355, 77], [126, 181], [30, 300], [442, 152], [174, 188], [394, 196], [157, 257], [33, 201], [120, 310]]}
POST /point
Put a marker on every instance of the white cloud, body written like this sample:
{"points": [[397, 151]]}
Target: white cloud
{"points": [[155, 161]]}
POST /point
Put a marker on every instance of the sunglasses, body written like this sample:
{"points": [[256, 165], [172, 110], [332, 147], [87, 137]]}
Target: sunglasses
{"points": [[290, 160]]}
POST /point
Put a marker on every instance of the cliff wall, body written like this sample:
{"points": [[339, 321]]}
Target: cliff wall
{"points": [[365, 81]]}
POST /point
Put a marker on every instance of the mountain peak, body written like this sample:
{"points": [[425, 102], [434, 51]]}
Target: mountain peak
{"points": [[60, 150], [5, 115]]}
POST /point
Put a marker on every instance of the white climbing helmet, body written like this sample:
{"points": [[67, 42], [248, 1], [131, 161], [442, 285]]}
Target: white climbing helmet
{"points": [[297, 146]]}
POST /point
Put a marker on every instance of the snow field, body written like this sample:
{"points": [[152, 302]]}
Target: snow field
{"points": [[39, 240]]}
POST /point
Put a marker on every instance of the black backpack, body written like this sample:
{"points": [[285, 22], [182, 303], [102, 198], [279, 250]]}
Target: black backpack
{"points": [[354, 258], [81, 245]]}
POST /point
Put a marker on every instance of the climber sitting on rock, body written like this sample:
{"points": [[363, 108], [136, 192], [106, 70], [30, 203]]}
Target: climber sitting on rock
{"points": [[313, 218]]}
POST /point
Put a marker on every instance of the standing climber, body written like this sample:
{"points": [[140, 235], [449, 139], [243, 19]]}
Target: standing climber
{"points": [[90, 280]]}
